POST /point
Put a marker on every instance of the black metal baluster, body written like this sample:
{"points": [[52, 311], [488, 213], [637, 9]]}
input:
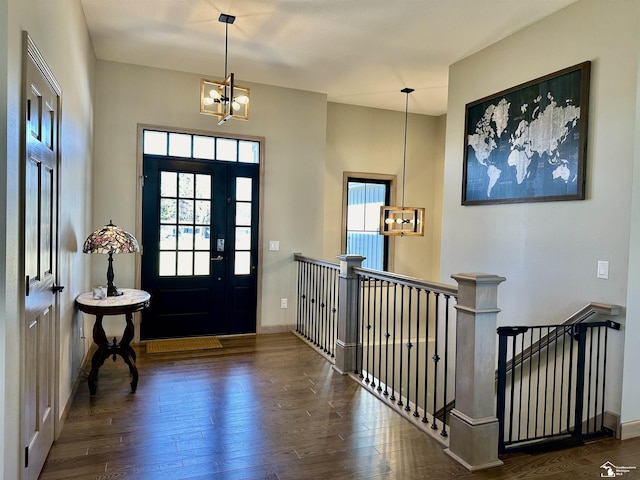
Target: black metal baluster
{"points": [[416, 410], [323, 308], [555, 376], [564, 349], [380, 340], [367, 369], [443, 432], [546, 382], [537, 399], [372, 324], [530, 399], [590, 370], [360, 365], [300, 296], [604, 376], [401, 337], [334, 309], [386, 353], [426, 355], [409, 346], [512, 387], [436, 359], [513, 365], [310, 305], [393, 344], [570, 386], [595, 405]]}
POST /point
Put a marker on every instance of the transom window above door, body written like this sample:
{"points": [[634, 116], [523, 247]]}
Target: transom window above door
{"points": [[203, 147]]}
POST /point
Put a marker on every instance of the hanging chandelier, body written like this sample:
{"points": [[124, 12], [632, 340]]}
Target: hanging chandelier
{"points": [[224, 99], [402, 220]]}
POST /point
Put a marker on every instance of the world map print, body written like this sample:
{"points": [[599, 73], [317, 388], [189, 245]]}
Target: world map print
{"points": [[526, 144]]}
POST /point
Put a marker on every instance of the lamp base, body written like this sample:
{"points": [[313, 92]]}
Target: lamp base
{"points": [[112, 291]]}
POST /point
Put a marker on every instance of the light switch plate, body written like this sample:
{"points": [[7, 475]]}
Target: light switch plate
{"points": [[274, 245], [603, 269]]}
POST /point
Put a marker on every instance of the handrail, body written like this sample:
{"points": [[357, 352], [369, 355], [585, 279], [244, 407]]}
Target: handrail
{"points": [[408, 281], [298, 257], [586, 312]]}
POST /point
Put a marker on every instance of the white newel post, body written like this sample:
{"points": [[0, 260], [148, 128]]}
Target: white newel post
{"points": [[473, 424], [347, 345]]}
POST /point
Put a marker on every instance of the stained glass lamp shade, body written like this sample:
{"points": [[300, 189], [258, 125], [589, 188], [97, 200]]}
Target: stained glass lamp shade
{"points": [[108, 240]]}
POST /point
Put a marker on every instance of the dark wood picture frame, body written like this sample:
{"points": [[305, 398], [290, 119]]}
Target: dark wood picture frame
{"points": [[528, 143]]}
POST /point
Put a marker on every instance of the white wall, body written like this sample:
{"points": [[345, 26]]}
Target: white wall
{"points": [[59, 31], [371, 140], [548, 251], [293, 124]]}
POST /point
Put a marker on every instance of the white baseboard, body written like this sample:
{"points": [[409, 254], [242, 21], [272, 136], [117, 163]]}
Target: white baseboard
{"points": [[630, 429], [265, 329]]}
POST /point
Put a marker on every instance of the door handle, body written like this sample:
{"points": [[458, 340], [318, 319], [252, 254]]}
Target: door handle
{"points": [[57, 288], [219, 258]]}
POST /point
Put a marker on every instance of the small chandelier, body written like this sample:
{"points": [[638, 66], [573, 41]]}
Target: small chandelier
{"points": [[401, 220], [224, 99]]}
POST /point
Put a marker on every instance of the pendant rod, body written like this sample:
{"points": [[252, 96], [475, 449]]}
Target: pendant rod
{"points": [[226, 47], [404, 153]]}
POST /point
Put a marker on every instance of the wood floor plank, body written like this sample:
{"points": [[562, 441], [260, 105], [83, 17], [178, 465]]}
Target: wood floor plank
{"points": [[269, 407]]}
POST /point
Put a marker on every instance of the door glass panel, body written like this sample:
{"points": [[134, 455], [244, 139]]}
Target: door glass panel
{"points": [[243, 238], [185, 238], [203, 186], [167, 264], [155, 143], [185, 263], [243, 213], [243, 189], [167, 237], [242, 263], [203, 212], [185, 185], [203, 147], [185, 224], [186, 211], [202, 238], [168, 210], [168, 182], [179, 145], [201, 264]]}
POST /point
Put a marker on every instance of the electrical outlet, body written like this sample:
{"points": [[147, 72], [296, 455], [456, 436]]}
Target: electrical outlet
{"points": [[283, 303]]}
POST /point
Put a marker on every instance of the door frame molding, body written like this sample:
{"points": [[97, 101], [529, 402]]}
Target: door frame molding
{"points": [[138, 224]]}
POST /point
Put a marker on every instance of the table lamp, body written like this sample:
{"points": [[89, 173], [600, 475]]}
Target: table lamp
{"points": [[110, 239]]}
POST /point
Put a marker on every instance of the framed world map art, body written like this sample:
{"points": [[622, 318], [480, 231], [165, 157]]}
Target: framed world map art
{"points": [[528, 143]]}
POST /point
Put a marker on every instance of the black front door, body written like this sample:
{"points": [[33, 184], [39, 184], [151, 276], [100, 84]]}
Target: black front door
{"points": [[199, 237]]}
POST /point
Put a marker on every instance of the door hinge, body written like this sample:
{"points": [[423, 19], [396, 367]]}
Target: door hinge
{"points": [[142, 177], [26, 457]]}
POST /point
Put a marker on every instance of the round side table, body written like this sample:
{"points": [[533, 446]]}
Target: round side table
{"points": [[130, 301]]}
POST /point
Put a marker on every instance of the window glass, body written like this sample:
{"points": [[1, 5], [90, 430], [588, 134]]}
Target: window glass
{"points": [[227, 149], [249, 152], [204, 147], [243, 213], [154, 143], [179, 145], [364, 199]]}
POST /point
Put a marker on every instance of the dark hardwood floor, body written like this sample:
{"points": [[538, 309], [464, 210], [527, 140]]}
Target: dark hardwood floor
{"points": [[269, 407]]}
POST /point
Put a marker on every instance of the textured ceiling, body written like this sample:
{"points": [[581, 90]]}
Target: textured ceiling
{"points": [[359, 52]]}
